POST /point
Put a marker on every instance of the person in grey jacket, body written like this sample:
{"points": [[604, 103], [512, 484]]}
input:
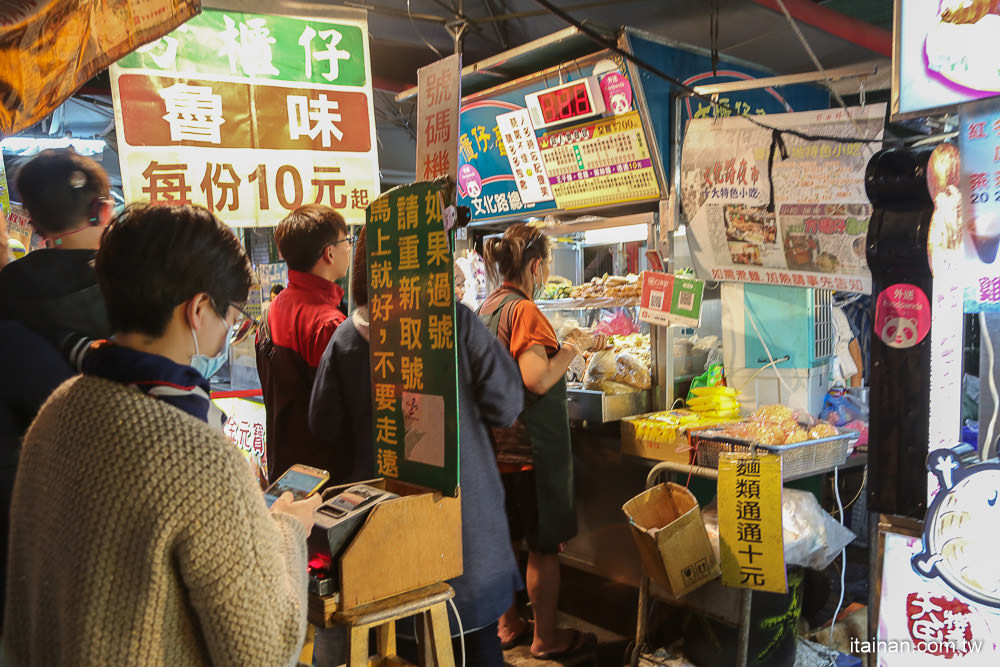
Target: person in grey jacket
{"points": [[490, 394]]}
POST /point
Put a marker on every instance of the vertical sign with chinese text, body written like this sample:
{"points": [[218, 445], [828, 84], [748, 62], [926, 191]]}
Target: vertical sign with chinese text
{"points": [[751, 542], [414, 364], [251, 116], [439, 96], [979, 144], [524, 156]]}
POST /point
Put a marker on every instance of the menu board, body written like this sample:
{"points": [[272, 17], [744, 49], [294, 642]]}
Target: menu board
{"points": [[603, 162], [411, 304], [814, 236], [250, 115]]}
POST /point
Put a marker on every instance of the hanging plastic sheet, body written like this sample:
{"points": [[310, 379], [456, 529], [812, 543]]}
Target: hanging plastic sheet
{"points": [[49, 48]]}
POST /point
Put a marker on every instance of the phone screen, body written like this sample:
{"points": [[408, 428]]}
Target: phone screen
{"points": [[299, 483]]}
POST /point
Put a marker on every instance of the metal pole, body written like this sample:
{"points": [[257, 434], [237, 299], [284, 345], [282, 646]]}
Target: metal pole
{"points": [[744, 639]]}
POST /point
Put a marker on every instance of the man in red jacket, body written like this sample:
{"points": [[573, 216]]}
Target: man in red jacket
{"points": [[314, 242]]}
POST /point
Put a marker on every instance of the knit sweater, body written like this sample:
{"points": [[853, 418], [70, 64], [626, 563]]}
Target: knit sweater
{"points": [[139, 537]]}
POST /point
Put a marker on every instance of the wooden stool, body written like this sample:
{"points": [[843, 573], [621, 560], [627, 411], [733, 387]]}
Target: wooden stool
{"points": [[430, 602]]}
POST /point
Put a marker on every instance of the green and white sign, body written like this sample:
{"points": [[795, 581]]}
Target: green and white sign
{"points": [[411, 303]]}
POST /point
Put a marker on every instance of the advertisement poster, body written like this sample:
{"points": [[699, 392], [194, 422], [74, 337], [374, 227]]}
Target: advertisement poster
{"points": [[440, 94], [250, 115], [979, 147], [815, 234], [40, 68], [245, 427], [942, 53], [411, 303], [923, 622]]}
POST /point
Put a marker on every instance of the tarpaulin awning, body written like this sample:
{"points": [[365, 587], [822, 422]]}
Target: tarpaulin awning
{"points": [[49, 48]]}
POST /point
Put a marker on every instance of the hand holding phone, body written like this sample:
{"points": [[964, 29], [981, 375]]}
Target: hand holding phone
{"points": [[300, 509], [301, 480]]}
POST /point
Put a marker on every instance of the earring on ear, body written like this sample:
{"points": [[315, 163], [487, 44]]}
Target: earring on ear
{"points": [[95, 210]]}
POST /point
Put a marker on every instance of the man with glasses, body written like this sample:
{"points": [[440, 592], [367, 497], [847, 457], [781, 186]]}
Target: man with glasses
{"points": [[315, 243]]}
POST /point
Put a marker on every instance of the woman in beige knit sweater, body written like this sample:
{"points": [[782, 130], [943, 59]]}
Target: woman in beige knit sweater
{"points": [[139, 535]]}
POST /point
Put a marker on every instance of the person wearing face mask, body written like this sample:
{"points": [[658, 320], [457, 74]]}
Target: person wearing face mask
{"points": [[176, 559], [315, 243], [535, 456]]}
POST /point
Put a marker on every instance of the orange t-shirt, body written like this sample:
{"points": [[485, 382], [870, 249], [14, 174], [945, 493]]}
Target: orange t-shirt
{"points": [[528, 326]]}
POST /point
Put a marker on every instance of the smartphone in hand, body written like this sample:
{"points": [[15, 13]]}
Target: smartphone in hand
{"points": [[301, 480]]}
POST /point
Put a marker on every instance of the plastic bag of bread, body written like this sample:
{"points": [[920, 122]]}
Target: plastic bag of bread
{"points": [[631, 371], [601, 367]]}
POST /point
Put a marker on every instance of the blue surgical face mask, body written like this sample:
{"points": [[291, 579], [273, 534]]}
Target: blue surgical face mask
{"points": [[209, 366], [538, 292]]}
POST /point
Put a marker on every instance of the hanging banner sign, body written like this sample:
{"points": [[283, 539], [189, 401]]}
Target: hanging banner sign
{"points": [[250, 115], [751, 541], [440, 94], [414, 364], [668, 299], [979, 144], [815, 234]]}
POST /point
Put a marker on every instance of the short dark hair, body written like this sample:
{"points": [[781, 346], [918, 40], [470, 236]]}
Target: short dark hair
{"points": [[155, 257], [306, 232], [61, 189]]}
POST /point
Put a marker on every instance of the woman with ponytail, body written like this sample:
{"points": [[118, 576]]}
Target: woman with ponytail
{"points": [[535, 455]]}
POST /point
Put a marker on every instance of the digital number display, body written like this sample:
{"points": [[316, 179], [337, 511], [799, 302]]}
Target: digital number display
{"points": [[565, 103]]}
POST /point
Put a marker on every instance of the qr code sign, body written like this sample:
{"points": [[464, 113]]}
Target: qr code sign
{"points": [[685, 300], [656, 300]]}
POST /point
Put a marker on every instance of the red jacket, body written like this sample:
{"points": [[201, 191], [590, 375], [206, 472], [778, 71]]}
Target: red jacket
{"points": [[300, 322]]}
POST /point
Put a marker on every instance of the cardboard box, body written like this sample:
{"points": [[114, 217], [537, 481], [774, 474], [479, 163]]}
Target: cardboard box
{"points": [[677, 449], [405, 543], [678, 556]]}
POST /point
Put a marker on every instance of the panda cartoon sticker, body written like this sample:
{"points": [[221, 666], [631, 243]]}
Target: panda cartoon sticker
{"points": [[960, 529], [902, 315]]}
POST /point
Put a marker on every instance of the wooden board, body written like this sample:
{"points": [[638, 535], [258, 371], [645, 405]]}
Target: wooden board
{"points": [[405, 543]]}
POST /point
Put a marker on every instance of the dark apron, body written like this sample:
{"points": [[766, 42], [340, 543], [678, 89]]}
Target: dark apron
{"points": [[546, 419]]}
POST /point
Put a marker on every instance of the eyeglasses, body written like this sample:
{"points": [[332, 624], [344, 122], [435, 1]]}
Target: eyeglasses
{"points": [[245, 326], [350, 239]]}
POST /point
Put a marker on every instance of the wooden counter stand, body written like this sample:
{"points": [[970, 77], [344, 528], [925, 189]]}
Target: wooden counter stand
{"points": [[396, 567]]}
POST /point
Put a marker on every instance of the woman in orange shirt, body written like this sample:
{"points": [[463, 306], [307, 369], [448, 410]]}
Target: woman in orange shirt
{"points": [[535, 455]]}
